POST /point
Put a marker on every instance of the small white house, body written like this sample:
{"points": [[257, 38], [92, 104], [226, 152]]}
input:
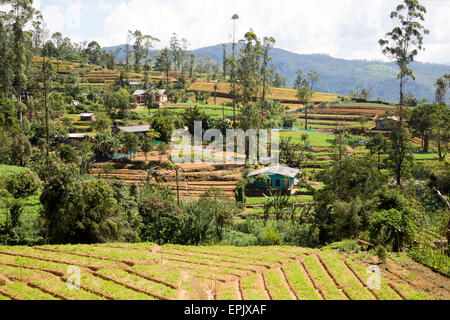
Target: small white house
{"points": [[86, 116]]}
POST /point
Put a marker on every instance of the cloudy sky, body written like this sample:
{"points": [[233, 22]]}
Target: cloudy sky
{"points": [[346, 29]]}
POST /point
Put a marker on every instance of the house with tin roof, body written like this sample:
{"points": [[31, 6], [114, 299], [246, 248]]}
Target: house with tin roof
{"points": [[140, 131], [281, 178]]}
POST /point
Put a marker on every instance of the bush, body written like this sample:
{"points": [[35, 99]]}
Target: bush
{"points": [[23, 185], [238, 239], [436, 259], [392, 228], [288, 122], [440, 179], [271, 236], [67, 154], [240, 194], [348, 246], [162, 221]]}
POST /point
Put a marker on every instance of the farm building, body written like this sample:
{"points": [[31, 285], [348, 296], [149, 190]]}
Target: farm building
{"points": [[73, 139], [140, 131], [384, 124], [86, 116], [160, 95], [282, 178], [139, 96]]}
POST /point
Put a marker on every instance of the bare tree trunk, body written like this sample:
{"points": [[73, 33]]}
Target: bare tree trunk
{"points": [[178, 186], [306, 116], [47, 117]]}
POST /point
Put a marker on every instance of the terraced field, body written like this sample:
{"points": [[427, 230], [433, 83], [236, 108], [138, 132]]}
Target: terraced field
{"points": [[195, 179], [150, 272], [281, 94]]}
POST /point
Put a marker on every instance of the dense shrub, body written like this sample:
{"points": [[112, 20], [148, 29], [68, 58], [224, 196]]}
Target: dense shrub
{"points": [[23, 185], [162, 220], [392, 228], [239, 239], [67, 153]]}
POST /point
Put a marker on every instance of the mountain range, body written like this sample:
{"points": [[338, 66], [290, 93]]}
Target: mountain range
{"points": [[339, 75]]}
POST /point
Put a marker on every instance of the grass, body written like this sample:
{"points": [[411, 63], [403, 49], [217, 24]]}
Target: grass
{"points": [[21, 291], [317, 139], [344, 277], [298, 280], [385, 292], [187, 271], [263, 200], [111, 288], [278, 290], [139, 282], [426, 156], [251, 289], [322, 279]]}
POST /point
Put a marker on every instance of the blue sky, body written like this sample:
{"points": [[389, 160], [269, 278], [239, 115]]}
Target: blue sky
{"points": [[346, 29]]}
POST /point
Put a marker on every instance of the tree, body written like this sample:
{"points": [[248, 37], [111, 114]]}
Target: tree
{"points": [[147, 142], [94, 52], [421, 121], [392, 228], [279, 81], [162, 220], [220, 207], [67, 154], [164, 125], [296, 155], [360, 94], [377, 145], [266, 69], [163, 64], [279, 205], [399, 152], [116, 101], [363, 119], [106, 144], [142, 45], [21, 12], [441, 128], [233, 67], [403, 43], [248, 67], [130, 142], [304, 87], [441, 85], [102, 122]]}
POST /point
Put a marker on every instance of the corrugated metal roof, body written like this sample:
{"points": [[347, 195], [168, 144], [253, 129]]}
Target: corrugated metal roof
{"points": [[77, 135], [281, 170], [139, 92], [135, 129], [86, 114]]}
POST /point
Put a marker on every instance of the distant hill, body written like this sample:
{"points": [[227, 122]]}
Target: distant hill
{"points": [[339, 75]]}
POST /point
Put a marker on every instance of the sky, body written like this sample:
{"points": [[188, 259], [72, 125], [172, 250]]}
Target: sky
{"points": [[347, 29]]}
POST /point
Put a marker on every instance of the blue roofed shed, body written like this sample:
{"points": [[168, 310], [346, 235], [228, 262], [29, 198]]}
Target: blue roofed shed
{"points": [[282, 178]]}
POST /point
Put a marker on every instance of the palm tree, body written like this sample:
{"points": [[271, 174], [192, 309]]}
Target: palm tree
{"points": [[279, 203]]}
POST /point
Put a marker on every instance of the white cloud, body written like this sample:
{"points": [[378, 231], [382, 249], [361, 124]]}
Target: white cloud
{"points": [[342, 28]]}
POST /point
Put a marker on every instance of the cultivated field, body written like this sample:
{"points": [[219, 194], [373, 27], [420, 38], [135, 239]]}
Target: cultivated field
{"points": [[280, 94], [149, 272], [194, 179]]}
